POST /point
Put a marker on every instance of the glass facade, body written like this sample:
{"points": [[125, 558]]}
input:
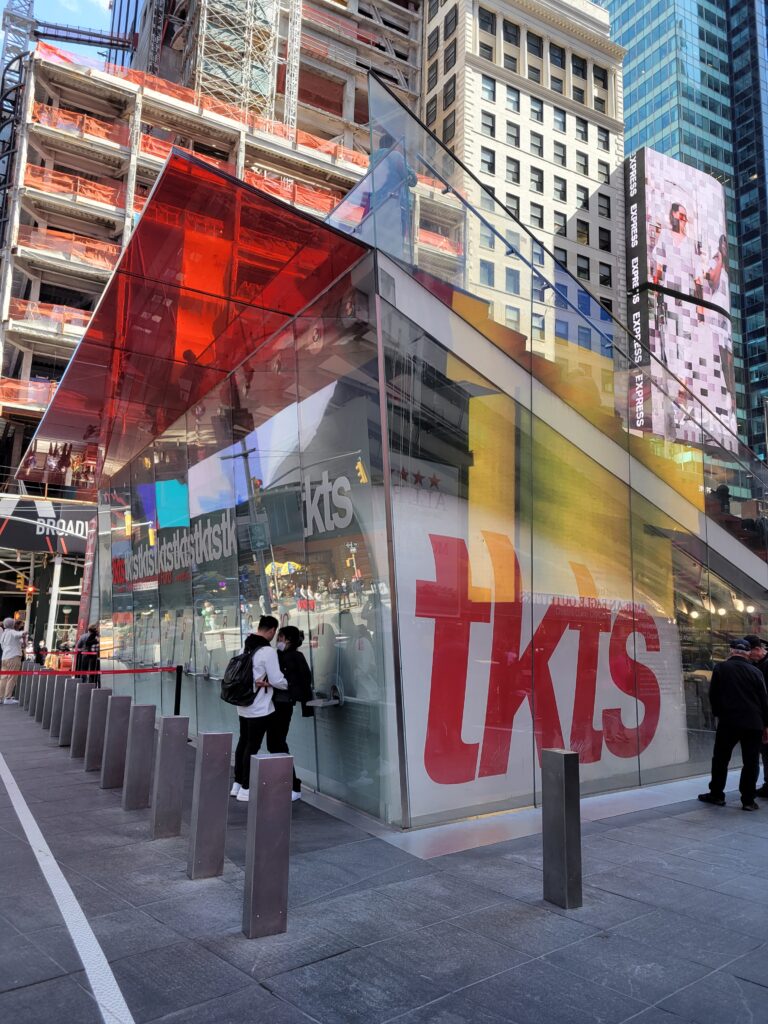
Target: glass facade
{"points": [[487, 555]]}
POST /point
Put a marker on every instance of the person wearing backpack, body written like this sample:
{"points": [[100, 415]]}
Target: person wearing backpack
{"points": [[255, 716], [297, 672]]}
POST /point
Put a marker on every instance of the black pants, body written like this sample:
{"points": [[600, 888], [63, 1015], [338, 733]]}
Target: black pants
{"points": [[252, 732], [726, 739], [764, 749], [277, 734]]}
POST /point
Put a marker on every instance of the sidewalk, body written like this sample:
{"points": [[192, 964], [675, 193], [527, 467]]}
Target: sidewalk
{"points": [[674, 925]]}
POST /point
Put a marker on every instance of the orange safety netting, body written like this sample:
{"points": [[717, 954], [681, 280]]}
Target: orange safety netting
{"points": [[44, 312], [77, 247], [438, 241], [79, 124], [22, 393], [341, 24], [71, 185]]}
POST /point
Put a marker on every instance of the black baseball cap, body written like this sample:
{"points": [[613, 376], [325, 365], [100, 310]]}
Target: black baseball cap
{"points": [[755, 641]]}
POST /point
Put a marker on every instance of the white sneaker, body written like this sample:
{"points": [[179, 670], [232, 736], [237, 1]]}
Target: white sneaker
{"points": [[243, 795], [295, 795], [235, 789], [10, 700]]}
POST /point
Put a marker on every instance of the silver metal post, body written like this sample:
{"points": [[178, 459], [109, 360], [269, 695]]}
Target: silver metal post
{"points": [[80, 719], [31, 698], [48, 702], [40, 701], [210, 804], [67, 711], [268, 834], [168, 784], [139, 756], [97, 724], [57, 705], [561, 827], [115, 742], [22, 689], [28, 692]]}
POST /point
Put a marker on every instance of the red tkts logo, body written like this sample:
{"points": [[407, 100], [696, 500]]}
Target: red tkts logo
{"points": [[447, 757]]}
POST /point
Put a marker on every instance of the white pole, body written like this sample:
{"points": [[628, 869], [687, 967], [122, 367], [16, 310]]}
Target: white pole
{"points": [[51, 630], [30, 583]]}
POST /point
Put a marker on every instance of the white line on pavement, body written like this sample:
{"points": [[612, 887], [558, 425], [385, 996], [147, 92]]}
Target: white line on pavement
{"points": [[106, 991]]}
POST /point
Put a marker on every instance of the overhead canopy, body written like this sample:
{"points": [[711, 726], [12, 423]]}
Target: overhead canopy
{"points": [[214, 268]]}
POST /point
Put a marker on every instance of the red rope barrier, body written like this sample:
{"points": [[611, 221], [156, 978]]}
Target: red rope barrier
{"points": [[89, 672]]}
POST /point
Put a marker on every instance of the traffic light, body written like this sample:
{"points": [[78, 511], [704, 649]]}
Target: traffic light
{"points": [[31, 590], [362, 476], [350, 563], [20, 584]]}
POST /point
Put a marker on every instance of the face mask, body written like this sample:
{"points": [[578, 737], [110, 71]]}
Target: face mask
{"points": [[281, 645]]}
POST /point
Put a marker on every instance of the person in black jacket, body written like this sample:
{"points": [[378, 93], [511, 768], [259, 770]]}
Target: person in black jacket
{"points": [[740, 705], [758, 655], [294, 667]]}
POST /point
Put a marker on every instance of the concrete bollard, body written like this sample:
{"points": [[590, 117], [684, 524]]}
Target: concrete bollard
{"points": [[115, 742], [31, 700], [42, 687], [67, 711], [80, 719], [57, 706], [210, 805], [48, 702], [561, 828], [268, 835], [168, 784], [139, 757], [97, 724]]}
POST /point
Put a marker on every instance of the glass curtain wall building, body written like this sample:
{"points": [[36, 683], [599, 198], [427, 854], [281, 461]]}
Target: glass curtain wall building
{"points": [[490, 551]]}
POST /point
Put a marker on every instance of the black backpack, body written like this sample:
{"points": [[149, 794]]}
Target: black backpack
{"points": [[237, 685]]}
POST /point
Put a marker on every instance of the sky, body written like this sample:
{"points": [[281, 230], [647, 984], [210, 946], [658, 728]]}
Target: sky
{"points": [[87, 13]]}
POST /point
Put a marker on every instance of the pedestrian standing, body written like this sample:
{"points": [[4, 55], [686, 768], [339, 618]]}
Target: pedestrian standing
{"points": [[12, 646], [758, 655], [740, 704], [294, 666]]}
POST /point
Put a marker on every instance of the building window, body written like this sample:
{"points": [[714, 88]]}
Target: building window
{"points": [[578, 66], [582, 129], [606, 275], [487, 237], [434, 7], [584, 299], [538, 288], [513, 204], [582, 197], [558, 117], [431, 111], [561, 329], [537, 215], [537, 179], [582, 232], [486, 21], [556, 56], [537, 144], [487, 273], [603, 204], [510, 62], [535, 44], [512, 281], [488, 124], [433, 42], [537, 110], [559, 153], [432, 76], [485, 51], [561, 257], [561, 222], [604, 239], [513, 170], [486, 200], [560, 190], [513, 134], [449, 92], [537, 254], [582, 268], [451, 20], [582, 162], [600, 76], [513, 99], [513, 241], [449, 57], [449, 126], [511, 33], [556, 84], [512, 317], [537, 326], [599, 104], [534, 74], [487, 160], [603, 172], [578, 94], [606, 309], [488, 88], [603, 139], [585, 336]]}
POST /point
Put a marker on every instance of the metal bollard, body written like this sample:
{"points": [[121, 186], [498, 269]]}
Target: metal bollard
{"points": [[561, 828], [48, 702], [57, 706], [42, 687], [22, 689], [28, 689], [115, 742], [210, 805], [97, 724], [67, 711], [31, 701], [80, 719], [168, 784], [268, 834], [139, 756]]}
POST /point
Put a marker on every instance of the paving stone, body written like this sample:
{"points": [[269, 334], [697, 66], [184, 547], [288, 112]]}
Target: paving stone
{"points": [[748, 917], [23, 964], [457, 1008], [649, 838], [216, 908], [721, 998], [61, 999], [29, 910], [505, 875], [524, 927], [752, 966], [703, 942], [645, 887], [248, 1006], [362, 917], [601, 909], [305, 942]]}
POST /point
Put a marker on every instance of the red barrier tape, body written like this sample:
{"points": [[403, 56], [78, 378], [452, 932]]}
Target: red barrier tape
{"points": [[89, 672]]}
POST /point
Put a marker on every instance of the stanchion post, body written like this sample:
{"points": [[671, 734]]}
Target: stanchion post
{"points": [[210, 804], [97, 724], [177, 690], [22, 690], [57, 705], [268, 834], [115, 742], [31, 699], [168, 783], [139, 756], [561, 828], [40, 700], [48, 702], [80, 719], [67, 711]]}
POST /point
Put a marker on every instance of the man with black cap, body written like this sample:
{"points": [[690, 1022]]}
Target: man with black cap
{"points": [[740, 705], [758, 655]]}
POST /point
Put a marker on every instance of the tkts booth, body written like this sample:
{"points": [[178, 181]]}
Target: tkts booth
{"points": [[270, 391]]}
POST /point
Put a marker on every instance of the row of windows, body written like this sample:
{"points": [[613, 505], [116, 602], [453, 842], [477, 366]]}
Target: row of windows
{"points": [[488, 239], [539, 285], [559, 149], [489, 88], [449, 27], [512, 175], [559, 218]]}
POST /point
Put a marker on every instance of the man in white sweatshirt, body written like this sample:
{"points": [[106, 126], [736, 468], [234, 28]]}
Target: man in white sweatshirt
{"points": [[12, 646], [255, 718]]}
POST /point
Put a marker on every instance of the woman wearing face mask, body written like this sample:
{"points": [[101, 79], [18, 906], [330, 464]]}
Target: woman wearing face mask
{"points": [[294, 667]]}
